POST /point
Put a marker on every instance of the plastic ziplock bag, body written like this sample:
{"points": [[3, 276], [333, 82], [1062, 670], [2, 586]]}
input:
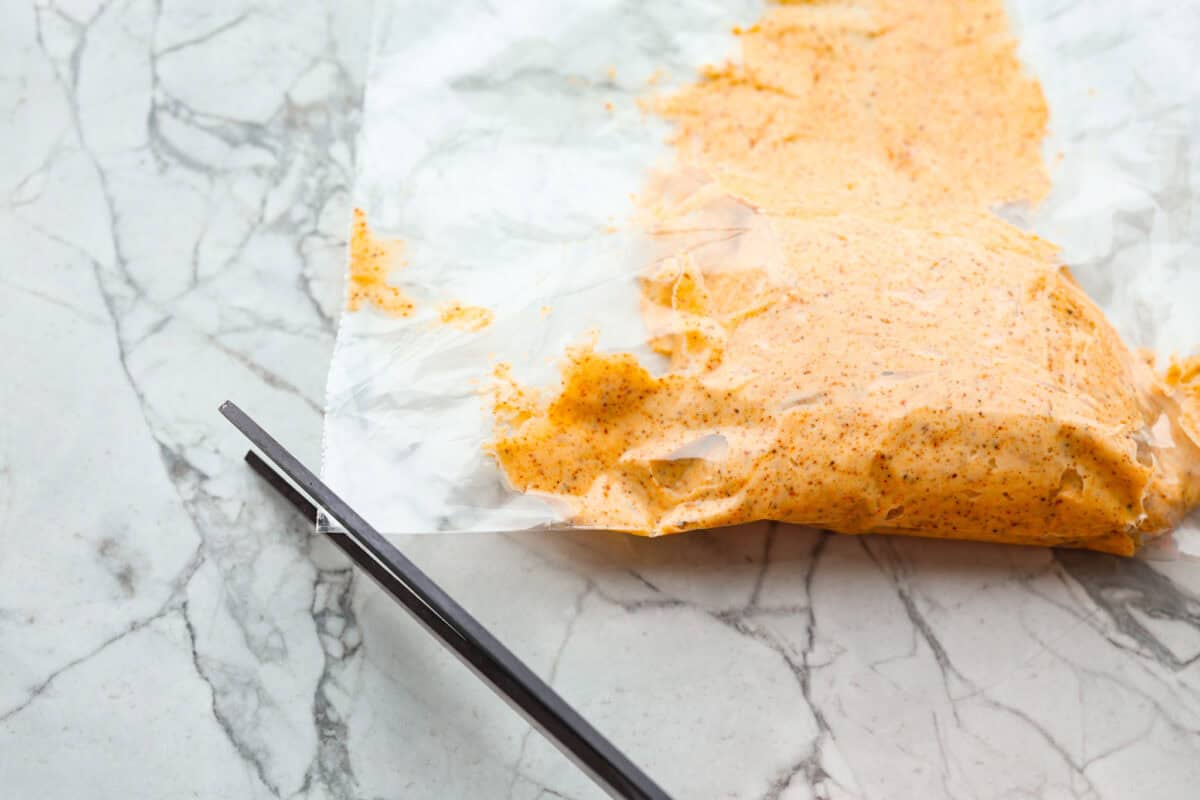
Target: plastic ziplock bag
{"points": [[506, 161]]}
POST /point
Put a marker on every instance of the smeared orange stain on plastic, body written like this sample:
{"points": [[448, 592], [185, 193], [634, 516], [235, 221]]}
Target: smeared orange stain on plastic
{"points": [[371, 262], [854, 340], [465, 317]]}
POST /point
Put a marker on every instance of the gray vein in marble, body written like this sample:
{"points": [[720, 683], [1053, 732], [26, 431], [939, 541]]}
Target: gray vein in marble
{"points": [[228, 725], [1123, 587], [41, 687], [335, 618]]}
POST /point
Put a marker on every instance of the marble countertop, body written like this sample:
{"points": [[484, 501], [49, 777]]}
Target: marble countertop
{"points": [[176, 180]]}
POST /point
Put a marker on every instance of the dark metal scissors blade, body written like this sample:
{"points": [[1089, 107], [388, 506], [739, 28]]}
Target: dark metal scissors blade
{"points": [[442, 616]]}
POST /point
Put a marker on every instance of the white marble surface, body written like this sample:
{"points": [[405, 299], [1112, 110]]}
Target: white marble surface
{"points": [[174, 181]]}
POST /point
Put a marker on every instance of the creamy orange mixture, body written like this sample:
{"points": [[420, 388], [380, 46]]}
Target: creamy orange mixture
{"points": [[371, 260], [371, 263], [854, 339]]}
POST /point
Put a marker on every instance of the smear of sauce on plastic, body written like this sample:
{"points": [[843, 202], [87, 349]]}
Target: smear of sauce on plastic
{"points": [[854, 340], [371, 262], [465, 317]]}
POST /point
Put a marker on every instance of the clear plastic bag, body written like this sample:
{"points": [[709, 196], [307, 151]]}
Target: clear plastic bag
{"points": [[506, 164]]}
